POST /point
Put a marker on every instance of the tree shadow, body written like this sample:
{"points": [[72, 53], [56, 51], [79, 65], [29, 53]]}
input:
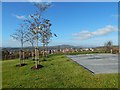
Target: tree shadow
{"points": [[21, 65], [38, 67]]}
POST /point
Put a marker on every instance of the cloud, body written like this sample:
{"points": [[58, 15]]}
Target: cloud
{"points": [[116, 15], [64, 0], [35, 0], [21, 17], [39, 0], [99, 32]]}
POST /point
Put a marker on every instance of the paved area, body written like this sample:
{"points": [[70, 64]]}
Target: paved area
{"points": [[97, 63]]}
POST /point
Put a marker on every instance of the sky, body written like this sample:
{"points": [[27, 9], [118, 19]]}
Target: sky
{"points": [[75, 23], [60, 0]]}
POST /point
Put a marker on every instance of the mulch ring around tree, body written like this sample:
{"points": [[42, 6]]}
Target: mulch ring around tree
{"points": [[44, 59], [38, 67], [67, 60], [20, 65]]}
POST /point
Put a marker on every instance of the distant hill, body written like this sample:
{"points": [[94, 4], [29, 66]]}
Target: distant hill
{"points": [[49, 47], [53, 47], [114, 46]]}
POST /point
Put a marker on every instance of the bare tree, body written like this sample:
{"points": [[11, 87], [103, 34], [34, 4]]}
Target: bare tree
{"points": [[31, 40], [35, 27], [108, 46], [19, 35], [46, 34]]}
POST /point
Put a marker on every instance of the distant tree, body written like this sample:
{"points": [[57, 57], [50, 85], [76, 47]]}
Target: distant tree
{"points": [[19, 35], [108, 46]]}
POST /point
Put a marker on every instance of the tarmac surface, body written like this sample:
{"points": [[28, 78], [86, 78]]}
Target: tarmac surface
{"points": [[97, 63]]}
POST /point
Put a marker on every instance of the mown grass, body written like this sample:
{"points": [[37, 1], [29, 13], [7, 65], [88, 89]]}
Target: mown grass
{"points": [[58, 72], [76, 53]]}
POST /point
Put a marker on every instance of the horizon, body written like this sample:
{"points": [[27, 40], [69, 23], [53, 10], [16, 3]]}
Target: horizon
{"points": [[78, 24], [63, 45]]}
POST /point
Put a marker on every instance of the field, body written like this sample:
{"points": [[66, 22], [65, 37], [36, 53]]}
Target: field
{"points": [[58, 72]]}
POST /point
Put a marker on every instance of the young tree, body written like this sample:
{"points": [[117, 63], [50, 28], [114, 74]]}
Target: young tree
{"points": [[20, 36], [31, 40], [108, 46], [35, 28], [46, 34]]}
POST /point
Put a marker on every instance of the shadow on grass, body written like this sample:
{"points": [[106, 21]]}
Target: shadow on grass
{"points": [[38, 67], [21, 65]]}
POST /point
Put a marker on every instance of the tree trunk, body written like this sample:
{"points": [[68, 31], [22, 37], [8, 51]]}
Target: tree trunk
{"points": [[111, 51], [23, 56], [33, 58], [36, 54], [20, 57], [46, 51], [36, 57], [21, 53], [43, 50]]}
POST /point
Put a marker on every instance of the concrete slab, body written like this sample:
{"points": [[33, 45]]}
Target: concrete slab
{"points": [[97, 63]]}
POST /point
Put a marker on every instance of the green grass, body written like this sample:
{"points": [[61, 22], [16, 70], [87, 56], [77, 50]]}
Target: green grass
{"points": [[58, 72], [76, 53], [85, 52]]}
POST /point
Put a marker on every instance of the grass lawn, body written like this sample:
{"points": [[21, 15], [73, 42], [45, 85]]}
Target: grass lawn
{"points": [[58, 72]]}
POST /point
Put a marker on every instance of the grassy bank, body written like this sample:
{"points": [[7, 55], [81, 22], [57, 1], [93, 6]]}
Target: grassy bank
{"points": [[58, 72]]}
